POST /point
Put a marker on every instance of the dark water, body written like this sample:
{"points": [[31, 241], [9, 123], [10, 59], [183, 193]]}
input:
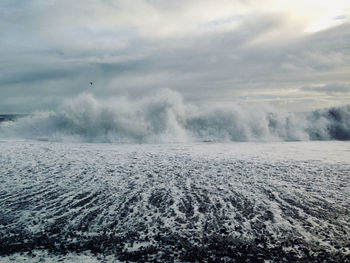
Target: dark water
{"points": [[11, 117]]}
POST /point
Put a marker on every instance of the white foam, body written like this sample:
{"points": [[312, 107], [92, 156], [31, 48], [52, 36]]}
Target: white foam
{"points": [[166, 118]]}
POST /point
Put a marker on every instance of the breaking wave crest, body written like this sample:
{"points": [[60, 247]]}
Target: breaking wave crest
{"points": [[166, 118]]}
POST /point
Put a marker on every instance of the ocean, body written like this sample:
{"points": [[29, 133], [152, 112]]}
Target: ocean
{"points": [[162, 181], [198, 202]]}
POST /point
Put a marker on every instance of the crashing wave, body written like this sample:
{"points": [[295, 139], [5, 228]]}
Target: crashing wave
{"points": [[166, 118]]}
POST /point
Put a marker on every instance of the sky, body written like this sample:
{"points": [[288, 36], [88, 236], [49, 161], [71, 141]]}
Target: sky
{"points": [[292, 54]]}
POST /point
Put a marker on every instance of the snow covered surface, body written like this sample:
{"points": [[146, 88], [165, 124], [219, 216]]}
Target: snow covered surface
{"points": [[207, 202]]}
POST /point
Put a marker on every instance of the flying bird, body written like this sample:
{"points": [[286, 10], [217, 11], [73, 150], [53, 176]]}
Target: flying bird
{"points": [[91, 83]]}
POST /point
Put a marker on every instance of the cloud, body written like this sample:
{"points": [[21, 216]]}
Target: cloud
{"points": [[206, 50], [36, 76], [333, 88]]}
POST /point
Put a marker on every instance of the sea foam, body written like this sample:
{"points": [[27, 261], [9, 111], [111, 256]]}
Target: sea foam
{"points": [[167, 118]]}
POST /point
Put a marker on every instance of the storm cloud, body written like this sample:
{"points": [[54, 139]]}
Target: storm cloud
{"points": [[207, 51]]}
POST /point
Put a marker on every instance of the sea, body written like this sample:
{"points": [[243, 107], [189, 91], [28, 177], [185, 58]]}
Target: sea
{"points": [[158, 180]]}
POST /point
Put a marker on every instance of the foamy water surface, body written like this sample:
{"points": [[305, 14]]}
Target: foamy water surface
{"points": [[185, 202]]}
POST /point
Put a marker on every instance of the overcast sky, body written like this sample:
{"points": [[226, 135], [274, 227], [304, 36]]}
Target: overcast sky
{"points": [[294, 54]]}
